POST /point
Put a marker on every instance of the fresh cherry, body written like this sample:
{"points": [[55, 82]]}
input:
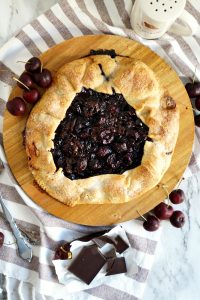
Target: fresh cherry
{"points": [[197, 103], [1, 239], [177, 196], [33, 65], [31, 96], [197, 120], [163, 211], [63, 252], [43, 79], [26, 79], [151, 224], [16, 106], [193, 89], [177, 219]]}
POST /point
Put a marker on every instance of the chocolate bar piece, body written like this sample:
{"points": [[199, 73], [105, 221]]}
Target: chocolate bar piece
{"points": [[87, 264], [121, 245], [116, 266], [103, 240]]}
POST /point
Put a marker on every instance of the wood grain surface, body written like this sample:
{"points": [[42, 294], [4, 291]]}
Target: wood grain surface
{"points": [[105, 214]]}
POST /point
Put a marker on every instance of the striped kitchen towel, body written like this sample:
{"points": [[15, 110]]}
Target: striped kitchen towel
{"points": [[63, 21]]}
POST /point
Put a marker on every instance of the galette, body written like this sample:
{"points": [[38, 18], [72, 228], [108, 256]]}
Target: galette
{"points": [[104, 132]]}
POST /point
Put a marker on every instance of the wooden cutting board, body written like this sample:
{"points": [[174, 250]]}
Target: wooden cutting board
{"points": [[106, 214]]}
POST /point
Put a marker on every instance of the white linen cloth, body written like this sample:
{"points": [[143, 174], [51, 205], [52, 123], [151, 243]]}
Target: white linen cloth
{"points": [[64, 20]]}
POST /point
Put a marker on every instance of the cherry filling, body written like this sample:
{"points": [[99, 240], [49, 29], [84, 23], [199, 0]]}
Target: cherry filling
{"points": [[100, 134]]}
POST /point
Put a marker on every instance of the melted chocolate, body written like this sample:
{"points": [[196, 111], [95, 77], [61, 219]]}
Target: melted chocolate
{"points": [[100, 134]]}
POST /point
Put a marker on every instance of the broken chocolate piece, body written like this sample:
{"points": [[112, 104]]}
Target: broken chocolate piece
{"points": [[116, 266], [102, 240], [87, 264], [89, 237], [121, 245]]}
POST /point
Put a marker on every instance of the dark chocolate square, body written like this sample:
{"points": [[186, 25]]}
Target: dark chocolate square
{"points": [[116, 266], [121, 245], [87, 264]]}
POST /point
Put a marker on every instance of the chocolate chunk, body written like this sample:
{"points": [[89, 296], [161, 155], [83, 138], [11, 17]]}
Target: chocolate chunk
{"points": [[87, 264], [121, 245], [102, 240], [116, 266]]}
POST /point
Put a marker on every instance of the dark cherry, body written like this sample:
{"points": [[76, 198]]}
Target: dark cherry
{"points": [[103, 151], [26, 79], [1, 239], [193, 89], [151, 224], [197, 120], [163, 211], [31, 96], [62, 251], [16, 106], [177, 219], [177, 196], [33, 65], [197, 103], [43, 79]]}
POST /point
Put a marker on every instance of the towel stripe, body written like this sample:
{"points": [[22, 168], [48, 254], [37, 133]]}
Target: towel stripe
{"points": [[43, 33], [28, 43], [64, 32]]}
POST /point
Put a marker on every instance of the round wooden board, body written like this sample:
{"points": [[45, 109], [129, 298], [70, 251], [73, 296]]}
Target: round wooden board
{"points": [[106, 214]]}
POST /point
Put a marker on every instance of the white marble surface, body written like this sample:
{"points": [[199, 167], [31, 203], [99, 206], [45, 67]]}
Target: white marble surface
{"points": [[176, 271]]}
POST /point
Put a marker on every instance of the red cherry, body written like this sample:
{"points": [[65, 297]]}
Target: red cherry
{"points": [[33, 65], [152, 223], [1, 239], [26, 79], [177, 196], [197, 103], [197, 120], [43, 79], [62, 252], [193, 89], [31, 96], [177, 219], [163, 211], [16, 106]]}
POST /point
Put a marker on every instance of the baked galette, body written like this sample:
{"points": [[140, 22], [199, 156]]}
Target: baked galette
{"points": [[104, 132]]}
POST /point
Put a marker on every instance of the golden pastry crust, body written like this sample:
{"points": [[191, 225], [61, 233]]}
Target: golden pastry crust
{"points": [[141, 89]]}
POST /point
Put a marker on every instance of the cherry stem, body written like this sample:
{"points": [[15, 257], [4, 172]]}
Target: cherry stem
{"points": [[24, 62], [41, 68], [195, 70], [141, 216], [166, 191], [21, 83], [187, 106], [61, 247]]}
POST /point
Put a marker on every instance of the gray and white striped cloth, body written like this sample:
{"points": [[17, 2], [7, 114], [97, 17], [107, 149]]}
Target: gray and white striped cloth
{"points": [[64, 20]]}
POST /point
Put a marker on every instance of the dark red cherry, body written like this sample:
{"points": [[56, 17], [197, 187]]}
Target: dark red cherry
{"points": [[163, 211], [193, 89], [33, 65], [43, 79], [63, 252], [1, 239], [16, 106], [177, 196], [26, 79], [31, 96], [197, 103], [197, 120], [177, 219], [152, 223]]}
